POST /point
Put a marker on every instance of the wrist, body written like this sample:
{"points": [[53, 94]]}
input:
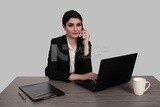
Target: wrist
{"points": [[86, 43], [74, 77], [86, 49]]}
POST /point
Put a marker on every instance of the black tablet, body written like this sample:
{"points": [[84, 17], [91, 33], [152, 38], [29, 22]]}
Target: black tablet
{"points": [[41, 91]]}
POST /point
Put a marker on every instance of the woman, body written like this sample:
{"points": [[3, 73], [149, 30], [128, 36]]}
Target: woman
{"points": [[69, 57]]}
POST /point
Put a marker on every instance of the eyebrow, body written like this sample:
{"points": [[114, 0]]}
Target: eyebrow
{"points": [[76, 23]]}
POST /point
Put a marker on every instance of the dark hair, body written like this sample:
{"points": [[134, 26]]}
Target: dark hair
{"points": [[70, 14]]}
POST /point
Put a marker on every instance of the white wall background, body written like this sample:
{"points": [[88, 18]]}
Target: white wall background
{"points": [[116, 27]]}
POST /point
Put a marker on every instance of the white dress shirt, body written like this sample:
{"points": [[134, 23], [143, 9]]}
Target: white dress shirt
{"points": [[72, 53]]}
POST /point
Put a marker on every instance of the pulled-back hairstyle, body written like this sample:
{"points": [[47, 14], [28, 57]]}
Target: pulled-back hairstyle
{"points": [[70, 14]]}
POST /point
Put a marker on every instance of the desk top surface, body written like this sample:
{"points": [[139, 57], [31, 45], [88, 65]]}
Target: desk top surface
{"points": [[119, 96]]}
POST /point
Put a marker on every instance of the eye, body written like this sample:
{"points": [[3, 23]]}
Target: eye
{"points": [[79, 24], [70, 24]]}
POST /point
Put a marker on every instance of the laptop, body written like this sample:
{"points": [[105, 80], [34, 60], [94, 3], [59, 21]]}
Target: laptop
{"points": [[112, 72], [41, 91]]}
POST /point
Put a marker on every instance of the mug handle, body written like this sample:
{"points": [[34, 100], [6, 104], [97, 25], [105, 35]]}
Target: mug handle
{"points": [[149, 84]]}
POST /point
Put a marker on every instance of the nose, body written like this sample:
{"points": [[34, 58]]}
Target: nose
{"points": [[75, 28]]}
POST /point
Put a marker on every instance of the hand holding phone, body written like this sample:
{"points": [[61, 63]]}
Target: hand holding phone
{"points": [[82, 36]]}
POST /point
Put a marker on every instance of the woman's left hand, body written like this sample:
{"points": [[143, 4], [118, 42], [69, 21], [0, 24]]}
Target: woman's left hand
{"points": [[86, 37]]}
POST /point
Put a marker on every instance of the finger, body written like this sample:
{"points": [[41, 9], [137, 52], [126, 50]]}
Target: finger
{"points": [[84, 37], [93, 79], [84, 29]]}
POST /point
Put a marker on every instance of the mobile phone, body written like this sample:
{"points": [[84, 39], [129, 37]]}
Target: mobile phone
{"points": [[81, 36]]}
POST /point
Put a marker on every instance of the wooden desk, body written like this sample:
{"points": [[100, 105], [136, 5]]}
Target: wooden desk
{"points": [[76, 96]]}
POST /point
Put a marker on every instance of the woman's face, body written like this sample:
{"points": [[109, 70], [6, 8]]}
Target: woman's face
{"points": [[73, 27]]}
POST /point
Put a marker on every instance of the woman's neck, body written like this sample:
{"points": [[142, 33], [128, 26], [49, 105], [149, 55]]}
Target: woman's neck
{"points": [[72, 41]]}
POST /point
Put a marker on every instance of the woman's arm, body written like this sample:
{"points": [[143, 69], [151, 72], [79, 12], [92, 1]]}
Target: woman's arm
{"points": [[86, 42], [87, 76], [52, 69], [84, 58]]}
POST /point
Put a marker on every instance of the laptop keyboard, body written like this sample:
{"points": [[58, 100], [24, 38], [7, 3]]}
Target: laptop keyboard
{"points": [[89, 84]]}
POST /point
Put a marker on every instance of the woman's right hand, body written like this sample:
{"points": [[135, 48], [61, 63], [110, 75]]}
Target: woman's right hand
{"points": [[89, 76]]}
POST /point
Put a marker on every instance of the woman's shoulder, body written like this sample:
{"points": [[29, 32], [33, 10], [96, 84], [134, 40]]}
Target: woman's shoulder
{"points": [[58, 39]]}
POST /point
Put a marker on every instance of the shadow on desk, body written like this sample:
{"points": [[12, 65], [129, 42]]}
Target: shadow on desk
{"points": [[126, 87]]}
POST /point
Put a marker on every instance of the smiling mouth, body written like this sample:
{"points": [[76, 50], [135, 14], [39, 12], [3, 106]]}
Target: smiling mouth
{"points": [[75, 33]]}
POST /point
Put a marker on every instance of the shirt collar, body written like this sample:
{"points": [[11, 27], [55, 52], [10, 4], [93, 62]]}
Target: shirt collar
{"points": [[69, 46]]}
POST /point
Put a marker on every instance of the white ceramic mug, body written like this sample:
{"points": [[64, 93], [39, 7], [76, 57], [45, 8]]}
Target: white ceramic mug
{"points": [[140, 85]]}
